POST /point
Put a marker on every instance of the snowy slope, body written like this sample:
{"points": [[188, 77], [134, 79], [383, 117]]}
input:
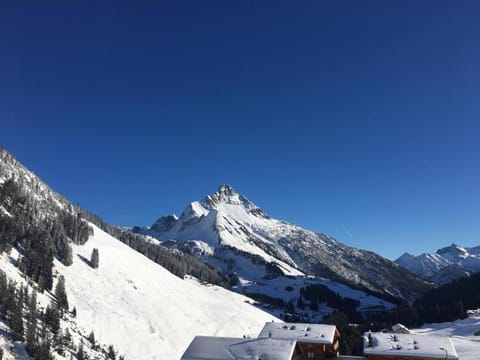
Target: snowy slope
{"points": [[234, 226], [16, 349], [461, 332], [144, 310], [445, 265], [11, 350]]}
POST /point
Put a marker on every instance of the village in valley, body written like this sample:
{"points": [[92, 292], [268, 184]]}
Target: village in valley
{"points": [[303, 341]]}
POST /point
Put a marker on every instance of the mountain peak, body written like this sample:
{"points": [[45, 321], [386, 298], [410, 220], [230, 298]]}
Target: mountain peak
{"points": [[164, 223], [226, 190], [224, 195], [405, 258], [453, 249]]}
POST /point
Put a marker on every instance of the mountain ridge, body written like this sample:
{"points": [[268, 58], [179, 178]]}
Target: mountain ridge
{"points": [[446, 264], [227, 221]]}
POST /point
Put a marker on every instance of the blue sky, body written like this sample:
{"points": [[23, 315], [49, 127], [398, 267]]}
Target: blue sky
{"points": [[355, 118]]}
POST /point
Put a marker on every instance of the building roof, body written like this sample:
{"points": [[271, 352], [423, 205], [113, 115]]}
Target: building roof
{"points": [[311, 333], [398, 327], [411, 345], [221, 348]]}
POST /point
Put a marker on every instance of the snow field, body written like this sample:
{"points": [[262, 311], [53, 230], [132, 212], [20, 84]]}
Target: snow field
{"points": [[145, 311]]}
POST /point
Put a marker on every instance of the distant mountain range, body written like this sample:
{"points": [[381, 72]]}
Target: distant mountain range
{"points": [[231, 232], [445, 265]]}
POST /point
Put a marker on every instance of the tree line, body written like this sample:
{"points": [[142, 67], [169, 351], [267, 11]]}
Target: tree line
{"points": [[178, 263], [445, 303], [24, 224]]}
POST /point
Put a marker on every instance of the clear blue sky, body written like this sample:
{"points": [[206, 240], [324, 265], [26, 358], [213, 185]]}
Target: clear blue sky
{"points": [[360, 119]]}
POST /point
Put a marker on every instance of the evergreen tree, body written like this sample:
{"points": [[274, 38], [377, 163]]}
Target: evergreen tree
{"points": [[66, 256], [300, 303], [81, 353], [94, 259], [1, 354], [17, 321], [91, 338], [111, 353], [314, 305], [67, 337], [61, 295], [44, 346], [290, 307], [4, 291], [58, 342], [52, 319], [31, 332]]}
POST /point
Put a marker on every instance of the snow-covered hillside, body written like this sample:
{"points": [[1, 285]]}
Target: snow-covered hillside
{"points": [[17, 349], [445, 265], [242, 236], [144, 310]]}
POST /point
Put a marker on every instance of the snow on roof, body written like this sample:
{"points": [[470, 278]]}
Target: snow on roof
{"points": [[207, 347], [264, 349], [397, 327], [412, 345], [222, 348], [311, 333]]}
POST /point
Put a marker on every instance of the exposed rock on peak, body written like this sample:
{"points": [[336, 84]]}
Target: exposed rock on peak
{"points": [[164, 223], [225, 194], [227, 190]]}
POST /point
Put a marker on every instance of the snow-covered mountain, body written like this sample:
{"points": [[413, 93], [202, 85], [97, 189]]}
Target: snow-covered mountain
{"points": [[445, 265], [129, 301], [238, 236]]}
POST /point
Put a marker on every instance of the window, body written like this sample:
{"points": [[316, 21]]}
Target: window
{"points": [[310, 355]]}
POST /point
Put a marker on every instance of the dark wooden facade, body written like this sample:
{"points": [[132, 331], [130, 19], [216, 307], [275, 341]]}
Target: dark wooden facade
{"points": [[305, 350]]}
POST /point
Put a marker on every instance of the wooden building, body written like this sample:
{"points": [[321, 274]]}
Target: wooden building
{"points": [[400, 329], [313, 341]]}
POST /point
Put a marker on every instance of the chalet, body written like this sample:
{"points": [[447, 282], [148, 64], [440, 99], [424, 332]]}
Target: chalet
{"points": [[389, 346], [400, 329], [276, 341], [313, 341], [223, 348]]}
